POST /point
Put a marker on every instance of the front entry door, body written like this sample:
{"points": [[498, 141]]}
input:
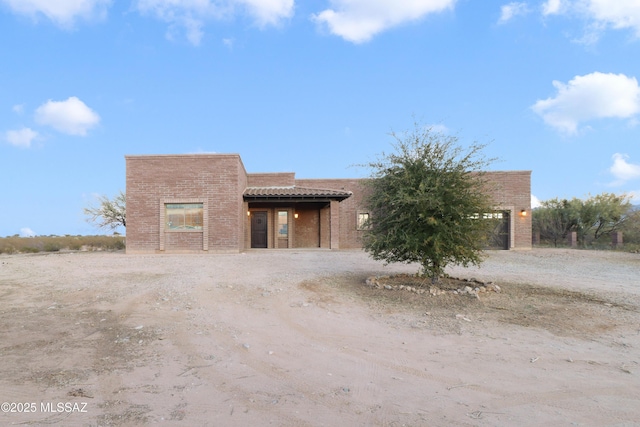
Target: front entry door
{"points": [[258, 229]]}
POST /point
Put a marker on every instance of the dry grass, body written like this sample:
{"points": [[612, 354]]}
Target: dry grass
{"points": [[15, 244]]}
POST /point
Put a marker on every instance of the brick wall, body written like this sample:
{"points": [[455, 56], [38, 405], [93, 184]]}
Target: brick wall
{"points": [[307, 228], [511, 190], [349, 237], [280, 179], [216, 179]]}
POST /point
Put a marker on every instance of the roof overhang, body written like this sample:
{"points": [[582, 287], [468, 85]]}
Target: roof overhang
{"points": [[293, 194]]}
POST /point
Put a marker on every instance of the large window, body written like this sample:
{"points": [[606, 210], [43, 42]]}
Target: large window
{"points": [[184, 216]]}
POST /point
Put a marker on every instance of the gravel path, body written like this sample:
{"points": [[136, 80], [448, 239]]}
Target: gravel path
{"points": [[293, 338], [597, 271]]}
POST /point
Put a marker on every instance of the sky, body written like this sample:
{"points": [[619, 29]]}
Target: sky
{"points": [[313, 87]]}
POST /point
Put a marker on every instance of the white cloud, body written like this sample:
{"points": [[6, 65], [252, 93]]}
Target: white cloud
{"points": [[599, 15], [619, 14], [552, 7], [62, 12], [27, 232], [72, 116], [268, 12], [18, 108], [190, 16], [511, 10], [358, 21], [21, 138], [535, 202], [622, 170], [592, 96]]}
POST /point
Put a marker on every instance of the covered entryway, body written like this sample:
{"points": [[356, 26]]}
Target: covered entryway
{"points": [[293, 217]]}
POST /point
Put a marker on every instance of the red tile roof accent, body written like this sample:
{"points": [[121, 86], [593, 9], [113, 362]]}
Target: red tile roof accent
{"points": [[295, 192]]}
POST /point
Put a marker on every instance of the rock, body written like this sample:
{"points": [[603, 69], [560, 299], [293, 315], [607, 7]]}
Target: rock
{"points": [[388, 287], [463, 317]]}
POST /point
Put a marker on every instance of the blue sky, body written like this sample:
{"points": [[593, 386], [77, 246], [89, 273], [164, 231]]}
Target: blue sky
{"points": [[312, 87]]}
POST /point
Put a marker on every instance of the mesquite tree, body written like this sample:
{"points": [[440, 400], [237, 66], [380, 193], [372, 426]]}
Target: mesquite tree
{"points": [[109, 213], [427, 201]]}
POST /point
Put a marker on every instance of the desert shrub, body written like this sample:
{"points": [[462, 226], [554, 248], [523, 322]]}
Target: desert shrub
{"points": [[74, 246], [51, 247], [119, 244], [7, 249], [16, 244]]}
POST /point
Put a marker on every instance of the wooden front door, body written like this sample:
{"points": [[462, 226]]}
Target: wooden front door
{"points": [[258, 229]]}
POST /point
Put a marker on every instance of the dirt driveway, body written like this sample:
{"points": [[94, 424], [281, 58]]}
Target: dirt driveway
{"points": [[289, 338]]}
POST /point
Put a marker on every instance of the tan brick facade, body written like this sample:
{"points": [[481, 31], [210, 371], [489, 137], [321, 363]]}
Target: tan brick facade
{"points": [[217, 180], [323, 217], [511, 191]]}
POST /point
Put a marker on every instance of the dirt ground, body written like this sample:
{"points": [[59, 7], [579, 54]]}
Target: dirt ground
{"points": [[296, 338]]}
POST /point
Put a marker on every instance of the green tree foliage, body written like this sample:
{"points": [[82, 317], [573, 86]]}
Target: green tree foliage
{"points": [[555, 218], [591, 219], [631, 227], [109, 213], [601, 215], [426, 201]]}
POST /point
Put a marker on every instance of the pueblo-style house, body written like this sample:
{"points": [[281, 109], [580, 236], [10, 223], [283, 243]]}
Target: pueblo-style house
{"points": [[208, 203]]}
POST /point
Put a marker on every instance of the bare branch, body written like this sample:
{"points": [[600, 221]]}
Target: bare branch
{"points": [[109, 213]]}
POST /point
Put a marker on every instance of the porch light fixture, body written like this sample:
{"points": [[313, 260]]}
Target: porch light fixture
{"points": [[295, 215], [248, 213], [523, 213]]}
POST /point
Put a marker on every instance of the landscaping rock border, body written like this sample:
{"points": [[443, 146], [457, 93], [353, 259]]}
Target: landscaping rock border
{"points": [[474, 288]]}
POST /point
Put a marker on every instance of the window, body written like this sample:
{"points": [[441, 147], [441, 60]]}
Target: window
{"points": [[184, 216], [488, 215], [492, 215], [283, 226], [363, 221]]}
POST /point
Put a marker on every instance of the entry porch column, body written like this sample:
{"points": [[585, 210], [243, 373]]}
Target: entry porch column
{"points": [[335, 224]]}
